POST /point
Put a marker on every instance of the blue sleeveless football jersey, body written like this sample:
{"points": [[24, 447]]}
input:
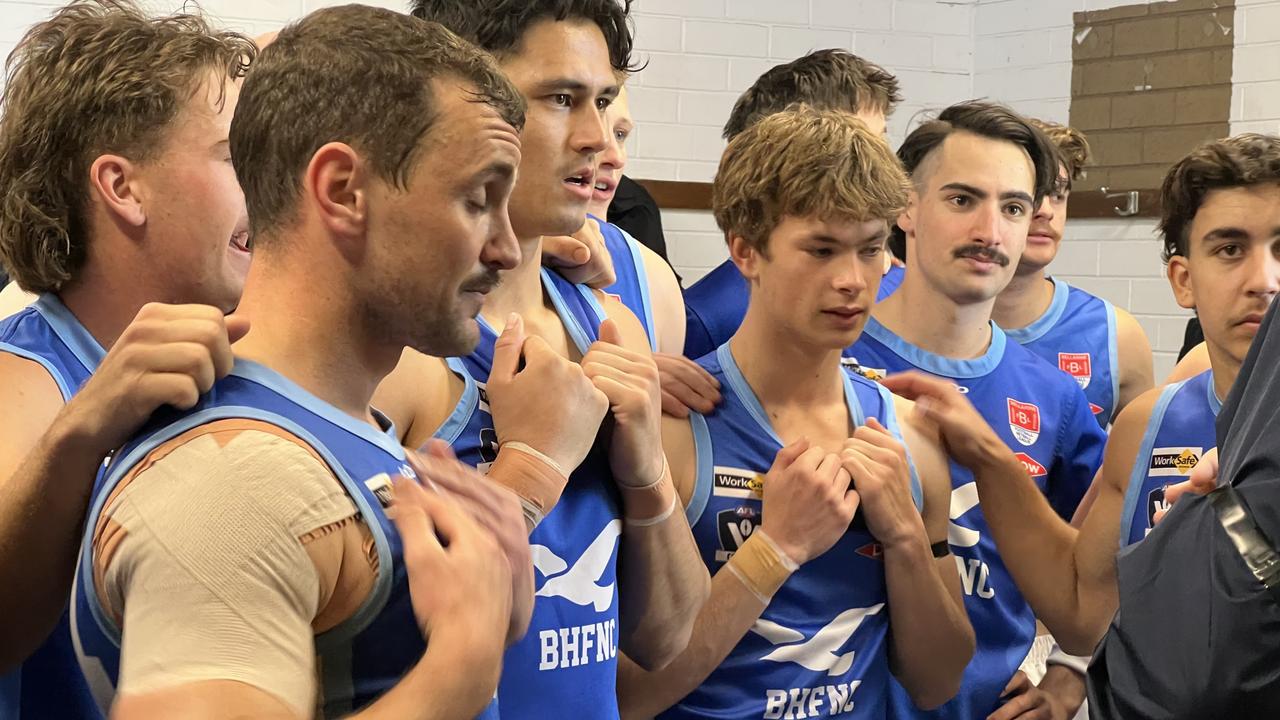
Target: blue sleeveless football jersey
{"points": [[821, 646], [364, 656], [49, 684], [715, 305], [1077, 334], [1182, 428], [1044, 417], [566, 665], [632, 284]]}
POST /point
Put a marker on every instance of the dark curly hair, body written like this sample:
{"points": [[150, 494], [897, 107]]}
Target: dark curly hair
{"points": [[499, 25], [1247, 159]]}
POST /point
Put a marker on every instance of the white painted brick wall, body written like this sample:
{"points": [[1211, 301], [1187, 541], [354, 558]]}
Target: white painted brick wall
{"points": [[1255, 95], [703, 53]]}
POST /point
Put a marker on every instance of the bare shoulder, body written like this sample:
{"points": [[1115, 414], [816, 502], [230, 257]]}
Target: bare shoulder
{"points": [[31, 400]]}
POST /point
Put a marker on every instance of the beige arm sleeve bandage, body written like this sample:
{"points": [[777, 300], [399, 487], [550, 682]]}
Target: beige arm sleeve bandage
{"points": [[206, 566]]}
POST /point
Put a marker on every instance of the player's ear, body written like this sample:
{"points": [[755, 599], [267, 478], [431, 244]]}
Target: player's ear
{"points": [[1179, 273], [745, 256], [907, 218]]}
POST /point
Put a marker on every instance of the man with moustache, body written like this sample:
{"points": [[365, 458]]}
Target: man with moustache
{"points": [[978, 171]]}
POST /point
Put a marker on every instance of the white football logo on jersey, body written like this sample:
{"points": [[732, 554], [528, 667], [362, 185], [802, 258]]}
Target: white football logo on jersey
{"points": [[580, 584], [818, 653], [963, 499]]}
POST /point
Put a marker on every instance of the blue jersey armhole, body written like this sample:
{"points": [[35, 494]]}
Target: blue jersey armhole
{"points": [[348, 629], [642, 279], [1113, 359], [466, 407], [1138, 474], [705, 468]]}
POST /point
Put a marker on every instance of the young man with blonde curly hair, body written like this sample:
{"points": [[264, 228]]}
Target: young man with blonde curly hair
{"points": [[117, 195], [821, 514]]}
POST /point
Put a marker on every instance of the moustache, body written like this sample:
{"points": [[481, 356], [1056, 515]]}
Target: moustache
{"points": [[483, 282], [983, 253]]}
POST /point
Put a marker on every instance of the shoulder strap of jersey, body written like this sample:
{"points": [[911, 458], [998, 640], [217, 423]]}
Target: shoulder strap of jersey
{"points": [[1138, 475]]}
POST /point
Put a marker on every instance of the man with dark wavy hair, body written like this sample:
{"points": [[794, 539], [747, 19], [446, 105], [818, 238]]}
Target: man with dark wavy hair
{"points": [[978, 172], [618, 570], [116, 194]]}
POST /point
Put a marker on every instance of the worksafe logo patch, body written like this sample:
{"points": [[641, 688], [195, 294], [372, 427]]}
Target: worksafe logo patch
{"points": [[1174, 461]]}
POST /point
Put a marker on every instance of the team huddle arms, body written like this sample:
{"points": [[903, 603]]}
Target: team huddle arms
{"points": [[437, 451]]}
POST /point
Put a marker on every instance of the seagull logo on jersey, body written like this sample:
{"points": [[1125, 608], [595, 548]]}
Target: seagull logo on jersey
{"points": [[963, 499], [733, 528], [1174, 461], [1078, 366], [818, 653], [580, 584], [1034, 469], [975, 575], [1024, 421]]}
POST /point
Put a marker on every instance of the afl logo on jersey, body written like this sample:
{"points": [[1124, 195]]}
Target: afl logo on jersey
{"points": [[733, 527], [1078, 366], [1024, 421]]}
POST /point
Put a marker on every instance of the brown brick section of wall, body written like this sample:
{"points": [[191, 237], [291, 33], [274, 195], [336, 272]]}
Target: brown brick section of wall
{"points": [[1149, 82]]}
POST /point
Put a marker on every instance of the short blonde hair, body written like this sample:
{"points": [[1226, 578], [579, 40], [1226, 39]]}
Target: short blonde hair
{"points": [[804, 162], [1071, 144], [100, 76]]}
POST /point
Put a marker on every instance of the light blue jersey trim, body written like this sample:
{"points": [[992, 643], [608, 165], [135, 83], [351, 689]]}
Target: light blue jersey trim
{"points": [[704, 463], [70, 331], [1215, 403], [1113, 358], [738, 384], [466, 407], [1047, 321], [890, 421], [937, 364], [642, 276], [1138, 475], [343, 632], [49, 368], [577, 333], [387, 439]]}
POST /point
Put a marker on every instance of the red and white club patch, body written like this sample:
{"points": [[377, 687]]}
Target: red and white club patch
{"points": [[1024, 421], [1078, 366], [1034, 469]]}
